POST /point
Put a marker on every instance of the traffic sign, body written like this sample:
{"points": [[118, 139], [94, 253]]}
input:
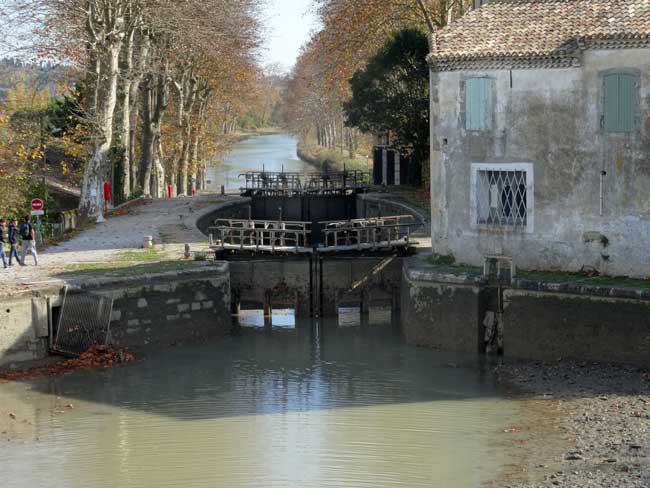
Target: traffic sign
{"points": [[37, 204], [37, 212]]}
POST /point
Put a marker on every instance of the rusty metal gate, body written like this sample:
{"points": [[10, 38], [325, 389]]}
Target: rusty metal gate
{"points": [[84, 321]]}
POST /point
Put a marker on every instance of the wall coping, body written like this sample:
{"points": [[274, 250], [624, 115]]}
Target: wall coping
{"points": [[448, 275], [573, 288]]}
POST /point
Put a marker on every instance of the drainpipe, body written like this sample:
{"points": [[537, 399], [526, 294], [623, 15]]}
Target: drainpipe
{"points": [[602, 184]]}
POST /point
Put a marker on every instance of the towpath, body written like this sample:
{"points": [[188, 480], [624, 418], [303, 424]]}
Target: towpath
{"points": [[171, 223]]}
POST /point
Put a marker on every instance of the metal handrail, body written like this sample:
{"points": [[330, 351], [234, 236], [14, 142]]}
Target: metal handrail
{"points": [[251, 235], [304, 182]]}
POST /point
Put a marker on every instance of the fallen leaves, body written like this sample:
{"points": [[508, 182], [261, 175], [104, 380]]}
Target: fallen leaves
{"points": [[97, 357]]}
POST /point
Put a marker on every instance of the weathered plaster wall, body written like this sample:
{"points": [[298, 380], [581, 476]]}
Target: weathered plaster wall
{"points": [[551, 118]]}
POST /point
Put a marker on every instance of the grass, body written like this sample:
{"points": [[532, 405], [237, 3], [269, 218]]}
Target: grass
{"points": [[317, 156], [142, 256], [124, 269], [447, 263], [583, 279]]}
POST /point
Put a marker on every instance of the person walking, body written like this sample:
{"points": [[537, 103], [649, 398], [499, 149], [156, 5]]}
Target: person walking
{"points": [[28, 236], [2, 243], [13, 241]]}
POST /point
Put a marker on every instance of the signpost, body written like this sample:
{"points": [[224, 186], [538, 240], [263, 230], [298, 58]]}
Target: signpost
{"points": [[38, 209]]}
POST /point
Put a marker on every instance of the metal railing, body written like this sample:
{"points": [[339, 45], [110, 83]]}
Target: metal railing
{"points": [[261, 235], [275, 183], [367, 234], [296, 237]]}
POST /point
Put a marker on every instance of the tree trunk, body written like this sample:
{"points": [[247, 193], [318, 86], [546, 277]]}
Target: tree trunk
{"points": [[91, 200], [125, 127], [154, 106]]}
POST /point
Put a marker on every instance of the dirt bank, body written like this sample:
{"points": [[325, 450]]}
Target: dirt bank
{"points": [[602, 414]]}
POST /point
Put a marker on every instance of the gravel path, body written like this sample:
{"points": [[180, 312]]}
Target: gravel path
{"points": [[603, 414], [172, 222]]}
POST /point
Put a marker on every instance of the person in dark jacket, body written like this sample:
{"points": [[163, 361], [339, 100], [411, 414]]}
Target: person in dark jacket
{"points": [[2, 243], [13, 241], [28, 235]]}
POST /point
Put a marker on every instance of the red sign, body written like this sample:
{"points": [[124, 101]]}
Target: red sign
{"points": [[37, 204]]}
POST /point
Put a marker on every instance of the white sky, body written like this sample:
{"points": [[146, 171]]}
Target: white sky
{"points": [[289, 23]]}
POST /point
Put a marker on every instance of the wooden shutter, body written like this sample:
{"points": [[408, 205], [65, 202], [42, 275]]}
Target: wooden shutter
{"points": [[478, 103], [619, 107]]}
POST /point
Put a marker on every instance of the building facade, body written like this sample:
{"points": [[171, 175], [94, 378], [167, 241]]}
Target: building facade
{"points": [[540, 135]]}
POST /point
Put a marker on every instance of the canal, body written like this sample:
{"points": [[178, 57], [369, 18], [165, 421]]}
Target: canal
{"points": [[313, 405], [273, 152], [305, 404]]}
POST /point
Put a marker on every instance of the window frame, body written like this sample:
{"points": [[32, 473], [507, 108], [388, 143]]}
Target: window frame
{"points": [[528, 169]]}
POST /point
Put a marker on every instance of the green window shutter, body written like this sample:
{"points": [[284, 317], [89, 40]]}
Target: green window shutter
{"points": [[619, 108], [478, 103]]}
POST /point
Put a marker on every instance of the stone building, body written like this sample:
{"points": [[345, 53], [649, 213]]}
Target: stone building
{"points": [[540, 143]]}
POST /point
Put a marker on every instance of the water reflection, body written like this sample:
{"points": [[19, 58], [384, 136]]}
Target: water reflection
{"points": [[318, 405], [273, 153]]}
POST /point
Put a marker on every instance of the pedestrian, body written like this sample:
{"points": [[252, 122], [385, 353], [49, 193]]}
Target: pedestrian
{"points": [[2, 243], [13, 241], [29, 240]]}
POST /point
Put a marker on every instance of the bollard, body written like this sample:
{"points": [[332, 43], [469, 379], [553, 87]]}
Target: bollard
{"points": [[148, 242], [223, 190]]}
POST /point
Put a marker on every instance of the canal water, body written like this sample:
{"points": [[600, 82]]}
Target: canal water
{"points": [[306, 405], [274, 152]]}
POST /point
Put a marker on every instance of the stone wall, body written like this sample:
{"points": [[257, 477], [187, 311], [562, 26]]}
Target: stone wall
{"points": [[169, 309], [550, 118], [150, 310]]}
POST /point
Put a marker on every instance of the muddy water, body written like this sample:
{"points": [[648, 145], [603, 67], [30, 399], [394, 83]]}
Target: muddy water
{"points": [[275, 153], [310, 406]]}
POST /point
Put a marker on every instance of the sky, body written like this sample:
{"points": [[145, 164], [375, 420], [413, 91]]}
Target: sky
{"points": [[289, 23]]}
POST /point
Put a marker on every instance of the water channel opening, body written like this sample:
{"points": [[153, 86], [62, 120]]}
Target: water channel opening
{"points": [[282, 318]]}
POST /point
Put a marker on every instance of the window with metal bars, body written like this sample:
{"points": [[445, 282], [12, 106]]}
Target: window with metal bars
{"points": [[501, 196]]}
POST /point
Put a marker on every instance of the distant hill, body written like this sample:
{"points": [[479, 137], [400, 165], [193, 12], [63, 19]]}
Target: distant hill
{"points": [[40, 75]]}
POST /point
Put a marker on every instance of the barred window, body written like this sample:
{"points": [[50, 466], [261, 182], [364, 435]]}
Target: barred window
{"points": [[502, 195]]}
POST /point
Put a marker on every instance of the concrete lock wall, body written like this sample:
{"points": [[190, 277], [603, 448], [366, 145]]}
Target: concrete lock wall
{"points": [[442, 312], [157, 309], [24, 328], [552, 119], [286, 283], [545, 321], [549, 326]]}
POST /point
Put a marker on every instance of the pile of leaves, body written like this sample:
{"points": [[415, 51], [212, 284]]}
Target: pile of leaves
{"points": [[97, 357]]}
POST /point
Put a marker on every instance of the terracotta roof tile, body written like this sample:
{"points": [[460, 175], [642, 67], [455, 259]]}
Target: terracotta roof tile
{"points": [[528, 29]]}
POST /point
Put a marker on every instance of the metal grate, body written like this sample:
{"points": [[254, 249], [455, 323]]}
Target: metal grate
{"points": [[501, 198], [84, 321]]}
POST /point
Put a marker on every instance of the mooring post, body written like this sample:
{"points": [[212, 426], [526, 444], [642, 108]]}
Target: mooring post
{"points": [[268, 310], [235, 303]]}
